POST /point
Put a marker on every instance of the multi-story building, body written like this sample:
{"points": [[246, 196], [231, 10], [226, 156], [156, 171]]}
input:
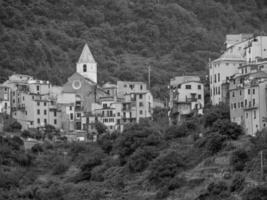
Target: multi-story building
{"points": [[5, 102], [31, 103], [248, 100], [186, 97], [80, 93], [241, 49]]}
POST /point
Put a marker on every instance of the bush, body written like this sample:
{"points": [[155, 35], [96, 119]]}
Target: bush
{"points": [[37, 148], [136, 136], [216, 113], [238, 159], [15, 126], [23, 159], [163, 193], [175, 132], [176, 182], [106, 141], [60, 168], [139, 160], [165, 167], [100, 127], [227, 128], [26, 134], [237, 183], [212, 142], [256, 193], [217, 188]]}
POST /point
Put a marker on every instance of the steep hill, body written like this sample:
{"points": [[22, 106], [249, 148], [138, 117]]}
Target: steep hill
{"points": [[45, 37]]}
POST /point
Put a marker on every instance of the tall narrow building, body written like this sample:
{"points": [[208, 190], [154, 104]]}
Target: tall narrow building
{"points": [[87, 65]]}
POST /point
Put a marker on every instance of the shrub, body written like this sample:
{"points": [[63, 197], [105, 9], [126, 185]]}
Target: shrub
{"points": [[175, 132], [37, 148], [238, 159], [15, 126], [100, 127], [163, 193], [136, 136], [60, 168], [216, 113], [23, 159], [139, 160], [237, 183], [165, 167], [106, 141], [256, 193], [217, 188], [212, 142], [9, 180], [26, 134], [176, 182], [227, 128]]}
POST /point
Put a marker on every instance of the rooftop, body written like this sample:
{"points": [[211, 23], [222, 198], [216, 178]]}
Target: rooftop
{"points": [[86, 56]]}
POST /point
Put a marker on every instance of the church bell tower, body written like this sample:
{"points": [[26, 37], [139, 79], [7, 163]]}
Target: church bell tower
{"points": [[87, 65]]}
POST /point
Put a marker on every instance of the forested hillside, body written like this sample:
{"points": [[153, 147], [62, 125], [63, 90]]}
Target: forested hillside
{"points": [[45, 37]]}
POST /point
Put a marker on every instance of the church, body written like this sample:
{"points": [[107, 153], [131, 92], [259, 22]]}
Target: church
{"points": [[80, 93]]}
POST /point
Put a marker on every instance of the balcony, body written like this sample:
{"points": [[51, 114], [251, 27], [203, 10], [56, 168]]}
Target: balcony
{"points": [[251, 107]]}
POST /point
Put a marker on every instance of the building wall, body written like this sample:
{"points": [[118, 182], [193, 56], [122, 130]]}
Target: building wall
{"points": [[125, 87]]}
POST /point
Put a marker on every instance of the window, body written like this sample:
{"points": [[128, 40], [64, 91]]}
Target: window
{"points": [[199, 96], [242, 104], [141, 112], [70, 107], [37, 87], [45, 121], [55, 121], [240, 92], [219, 90], [246, 102], [32, 97], [38, 112], [179, 86], [248, 91], [233, 94], [255, 114], [141, 87], [78, 115], [253, 102], [105, 105], [253, 91], [238, 104], [199, 87], [234, 105], [125, 86], [188, 87], [218, 77], [44, 112], [38, 120], [44, 103], [118, 114], [215, 80], [71, 116], [55, 113], [246, 115], [141, 104], [140, 96], [84, 68]]}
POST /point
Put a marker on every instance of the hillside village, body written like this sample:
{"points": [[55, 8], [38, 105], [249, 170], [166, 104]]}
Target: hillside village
{"points": [[115, 141], [237, 79], [78, 105]]}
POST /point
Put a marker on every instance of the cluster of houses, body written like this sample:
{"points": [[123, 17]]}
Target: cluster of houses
{"points": [[77, 106], [237, 78]]}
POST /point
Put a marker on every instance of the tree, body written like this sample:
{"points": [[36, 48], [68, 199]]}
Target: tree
{"points": [[227, 128], [100, 127]]}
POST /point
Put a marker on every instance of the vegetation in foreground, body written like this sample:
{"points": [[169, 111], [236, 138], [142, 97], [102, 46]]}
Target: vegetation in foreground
{"points": [[187, 161]]}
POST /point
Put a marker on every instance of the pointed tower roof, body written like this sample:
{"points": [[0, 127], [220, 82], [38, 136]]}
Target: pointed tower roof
{"points": [[86, 56]]}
